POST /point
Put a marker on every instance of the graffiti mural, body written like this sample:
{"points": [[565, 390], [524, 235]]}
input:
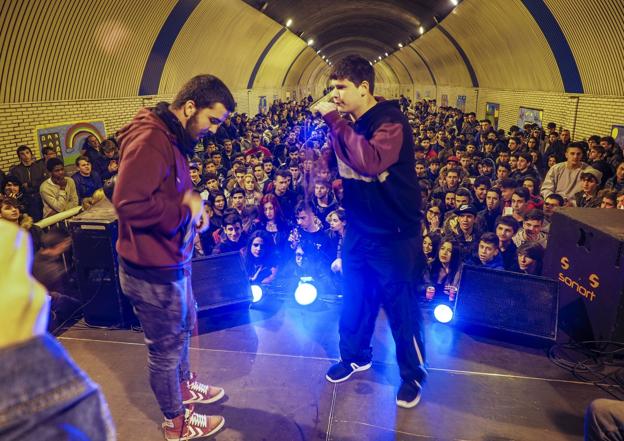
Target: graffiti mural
{"points": [[68, 138]]}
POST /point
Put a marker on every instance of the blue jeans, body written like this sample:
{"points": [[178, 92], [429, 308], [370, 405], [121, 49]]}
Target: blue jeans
{"points": [[46, 397], [167, 312]]}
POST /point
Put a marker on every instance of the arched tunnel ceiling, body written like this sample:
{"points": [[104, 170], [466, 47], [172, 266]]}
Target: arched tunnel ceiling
{"points": [[354, 23]]}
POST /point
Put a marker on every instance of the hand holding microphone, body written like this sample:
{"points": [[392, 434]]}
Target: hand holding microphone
{"points": [[324, 108]]}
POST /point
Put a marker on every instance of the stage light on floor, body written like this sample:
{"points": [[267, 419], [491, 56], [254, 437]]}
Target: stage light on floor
{"points": [[443, 313], [306, 292], [256, 293]]}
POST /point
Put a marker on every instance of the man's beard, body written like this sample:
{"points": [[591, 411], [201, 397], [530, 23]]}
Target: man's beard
{"points": [[192, 129]]}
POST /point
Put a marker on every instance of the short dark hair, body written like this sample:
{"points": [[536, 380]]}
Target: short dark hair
{"points": [[508, 183], [599, 149], [463, 191], [490, 238], [53, 162], [47, 149], [211, 176], [232, 219], [284, 173], [594, 138], [508, 221], [608, 139], [556, 197], [303, 206], [523, 192], [576, 145], [237, 190], [323, 182], [527, 157], [482, 180], [537, 215], [495, 190], [205, 91], [21, 148], [355, 69], [82, 158]]}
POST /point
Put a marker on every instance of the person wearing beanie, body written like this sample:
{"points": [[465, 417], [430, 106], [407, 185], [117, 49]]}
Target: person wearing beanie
{"points": [[590, 183]]}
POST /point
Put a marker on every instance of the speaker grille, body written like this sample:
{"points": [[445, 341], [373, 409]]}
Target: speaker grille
{"points": [[509, 301], [220, 280]]}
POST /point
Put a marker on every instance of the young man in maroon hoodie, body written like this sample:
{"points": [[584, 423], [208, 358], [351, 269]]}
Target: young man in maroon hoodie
{"points": [[381, 250], [159, 215]]}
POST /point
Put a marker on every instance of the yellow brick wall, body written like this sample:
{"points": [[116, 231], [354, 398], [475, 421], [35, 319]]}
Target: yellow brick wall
{"points": [[595, 114], [18, 121]]}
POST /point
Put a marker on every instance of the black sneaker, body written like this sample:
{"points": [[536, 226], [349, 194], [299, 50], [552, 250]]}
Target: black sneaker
{"points": [[409, 394], [342, 371]]}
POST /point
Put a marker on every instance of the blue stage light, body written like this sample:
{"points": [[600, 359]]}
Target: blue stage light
{"points": [[305, 294], [256, 293], [443, 313]]}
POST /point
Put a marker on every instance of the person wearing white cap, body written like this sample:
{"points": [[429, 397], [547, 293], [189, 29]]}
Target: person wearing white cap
{"points": [[588, 196]]}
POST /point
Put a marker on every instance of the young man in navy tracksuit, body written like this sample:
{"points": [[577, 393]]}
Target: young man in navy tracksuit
{"points": [[375, 151]]}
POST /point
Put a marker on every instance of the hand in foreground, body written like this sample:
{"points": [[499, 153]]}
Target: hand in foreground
{"points": [[203, 223], [194, 201], [324, 108]]}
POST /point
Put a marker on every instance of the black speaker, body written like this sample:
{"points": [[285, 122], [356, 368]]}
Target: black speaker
{"points": [[94, 234], [219, 281], [585, 255], [513, 302]]}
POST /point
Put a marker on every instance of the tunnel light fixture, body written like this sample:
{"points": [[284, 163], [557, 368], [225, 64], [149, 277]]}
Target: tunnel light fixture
{"points": [[401, 45], [386, 54], [289, 22], [454, 2], [421, 30], [370, 62], [323, 57], [318, 52], [379, 57], [310, 42]]}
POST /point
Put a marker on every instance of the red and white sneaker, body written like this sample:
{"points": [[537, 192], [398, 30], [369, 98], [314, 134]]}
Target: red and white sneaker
{"points": [[192, 425], [195, 392]]}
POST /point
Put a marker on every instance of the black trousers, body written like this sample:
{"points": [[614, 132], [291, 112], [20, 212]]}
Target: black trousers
{"points": [[381, 272]]}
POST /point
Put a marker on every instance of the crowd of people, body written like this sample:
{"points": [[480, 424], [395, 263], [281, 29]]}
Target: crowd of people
{"points": [[272, 190]]}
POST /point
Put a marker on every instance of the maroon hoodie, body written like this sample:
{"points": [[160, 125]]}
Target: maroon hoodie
{"points": [[155, 231]]}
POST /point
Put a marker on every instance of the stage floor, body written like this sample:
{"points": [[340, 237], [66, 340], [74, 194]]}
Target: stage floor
{"points": [[272, 365]]}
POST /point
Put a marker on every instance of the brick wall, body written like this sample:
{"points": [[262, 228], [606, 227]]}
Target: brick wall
{"points": [[583, 115], [18, 121]]}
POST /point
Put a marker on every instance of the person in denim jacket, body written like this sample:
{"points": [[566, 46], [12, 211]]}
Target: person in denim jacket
{"points": [[45, 395]]}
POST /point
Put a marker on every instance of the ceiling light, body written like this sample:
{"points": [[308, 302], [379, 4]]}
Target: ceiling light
{"points": [[310, 42], [454, 2], [400, 44], [288, 22], [323, 57], [386, 53], [370, 62], [379, 57], [421, 30]]}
